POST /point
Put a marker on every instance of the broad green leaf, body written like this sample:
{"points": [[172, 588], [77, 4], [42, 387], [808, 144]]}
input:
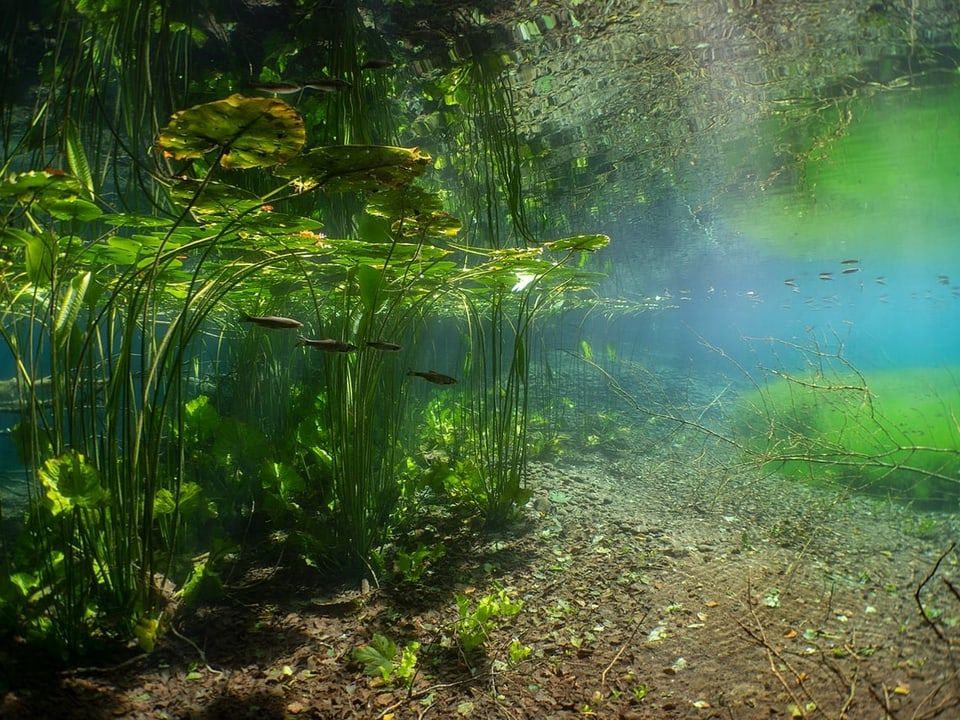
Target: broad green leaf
{"points": [[579, 242], [213, 198], [132, 220], [248, 132], [54, 191], [41, 250], [355, 168], [76, 158], [283, 478], [70, 304], [71, 481], [34, 185], [72, 209], [369, 279]]}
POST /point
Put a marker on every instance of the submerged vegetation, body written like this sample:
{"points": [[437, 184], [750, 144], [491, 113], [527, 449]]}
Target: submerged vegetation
{"points": [[275, 297], [153, 306]]}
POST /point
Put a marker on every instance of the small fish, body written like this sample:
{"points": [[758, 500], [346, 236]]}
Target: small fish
{"points": [[432, 376], [384, 346], [826, 276], [790, 282], [849, 262], [880, 280], [272, 321], [328, 345], [850, 270], [943, 279], [328, 85], [377, 64], [277, 88]]}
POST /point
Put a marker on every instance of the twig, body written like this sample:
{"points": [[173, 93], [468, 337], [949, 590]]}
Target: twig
{"points": [[916, 594], [603, 675]]}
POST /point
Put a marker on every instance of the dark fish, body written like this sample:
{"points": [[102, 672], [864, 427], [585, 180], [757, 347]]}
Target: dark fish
{"points": [[849, 262], [790, 282], [881, 280], [328, 85], [376, 64], [384, 346], [328, 345], [826, 276], [272, 321], [850, 270], [432, 376], [943, 279]]}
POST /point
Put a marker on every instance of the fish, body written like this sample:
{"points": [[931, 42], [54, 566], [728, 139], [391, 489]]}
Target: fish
{"points": [[850, 270], [880, 280], [826, 276], [271, 321], [383, 346], [328, 85], [432, 376], [323, 85], [790, 282], [943, 279], [376, 64], [849, 262], [328, 345], [276, 88]]}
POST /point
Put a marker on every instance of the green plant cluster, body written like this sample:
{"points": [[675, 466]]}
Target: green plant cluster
{"points": [[158, 430]]}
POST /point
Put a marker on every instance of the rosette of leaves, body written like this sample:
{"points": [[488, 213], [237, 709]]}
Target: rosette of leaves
{"points": [[245, 132]]}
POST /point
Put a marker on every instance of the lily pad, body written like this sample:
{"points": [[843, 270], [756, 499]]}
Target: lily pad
{"points": [[586, 243], [55, 191], [415, 212], [249, 132], [355, 168], [213, 198]]}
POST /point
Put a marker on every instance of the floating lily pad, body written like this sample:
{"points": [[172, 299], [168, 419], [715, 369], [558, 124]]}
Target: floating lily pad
{"points": [[56, 192], [213, 198], [355, 168], [587, 243], [415, 212], [249, 132]]}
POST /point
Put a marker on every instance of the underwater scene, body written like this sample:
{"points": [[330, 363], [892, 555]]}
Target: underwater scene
{"points": [[480, 359]]}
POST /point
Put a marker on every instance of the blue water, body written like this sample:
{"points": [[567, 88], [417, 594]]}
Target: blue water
{"points": [[886, 314]]}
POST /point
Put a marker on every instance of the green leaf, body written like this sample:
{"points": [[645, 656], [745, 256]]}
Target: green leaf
{"points": [[247, 132], [70, 307], [54, 191], [414, 212], [355, 168], [41, 251], [71, 481], [213, 198], [283, 478], [377, 657], [76, 158], [72, 209], [579, 242], [201, 419], [369, 279]]}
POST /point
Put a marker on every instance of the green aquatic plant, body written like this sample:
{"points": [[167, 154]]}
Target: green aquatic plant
{"points": [[383, 657], [477, 620]]}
